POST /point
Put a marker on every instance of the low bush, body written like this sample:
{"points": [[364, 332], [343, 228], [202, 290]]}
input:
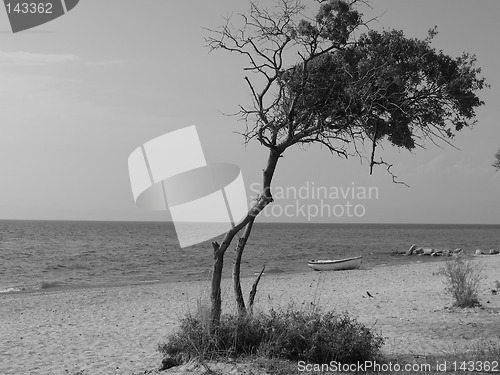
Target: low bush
{"points": [[291, 334], [463, 280], [317, 337]]}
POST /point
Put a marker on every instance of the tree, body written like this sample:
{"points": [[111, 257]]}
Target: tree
{"points": [[496, 163], [320, 81]]}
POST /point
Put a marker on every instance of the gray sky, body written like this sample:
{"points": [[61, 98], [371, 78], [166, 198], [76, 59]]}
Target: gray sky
{"points": [[80, 93]]}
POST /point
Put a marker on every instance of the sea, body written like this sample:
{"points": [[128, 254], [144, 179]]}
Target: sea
{"points": [[43, 255]]}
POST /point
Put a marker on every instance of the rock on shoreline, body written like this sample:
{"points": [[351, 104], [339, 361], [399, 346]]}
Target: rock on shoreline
{"points": [[428, 251]]}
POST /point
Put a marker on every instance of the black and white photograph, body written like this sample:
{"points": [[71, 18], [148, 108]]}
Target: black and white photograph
{"points": [[254, 187]]}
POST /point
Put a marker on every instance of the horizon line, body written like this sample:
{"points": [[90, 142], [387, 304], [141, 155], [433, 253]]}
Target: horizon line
{"points": [[259, 222]]}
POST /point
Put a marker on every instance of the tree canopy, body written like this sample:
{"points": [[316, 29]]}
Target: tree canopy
{"points": [[341, 89], [496, 163], [384, 87]]}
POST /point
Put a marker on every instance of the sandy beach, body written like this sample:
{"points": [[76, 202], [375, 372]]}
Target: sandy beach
{"points": [[115, 330]]}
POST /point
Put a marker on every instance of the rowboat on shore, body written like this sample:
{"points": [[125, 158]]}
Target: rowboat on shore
{"points": [[335, 265]]}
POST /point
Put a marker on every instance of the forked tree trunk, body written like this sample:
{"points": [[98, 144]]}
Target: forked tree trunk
{"points": [[240, 302], [219, 249]]}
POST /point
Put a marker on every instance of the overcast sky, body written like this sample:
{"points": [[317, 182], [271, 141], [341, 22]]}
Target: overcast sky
{"points": [[80, 93]]}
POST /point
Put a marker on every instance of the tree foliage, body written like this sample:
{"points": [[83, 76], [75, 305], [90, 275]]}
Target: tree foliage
{"points": [[343, 90], [496, 163], [331, 80], [384, 87]]}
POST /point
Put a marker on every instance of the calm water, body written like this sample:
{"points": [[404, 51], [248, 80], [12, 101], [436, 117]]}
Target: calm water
{"points": [[54, 254]]}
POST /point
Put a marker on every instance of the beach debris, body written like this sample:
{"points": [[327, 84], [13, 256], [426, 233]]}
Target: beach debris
{"points": [[399, 252], [430, 251], [457, 251], [489, 252], [411, 250], [419, 251]]}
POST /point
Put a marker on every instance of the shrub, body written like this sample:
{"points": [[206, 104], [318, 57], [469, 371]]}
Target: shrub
{"points": [[317, 337], [234, 336], [463, 280], [289, 334]]}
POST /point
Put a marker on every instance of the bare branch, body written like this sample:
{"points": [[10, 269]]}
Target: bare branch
{"points": [[388, 168]]}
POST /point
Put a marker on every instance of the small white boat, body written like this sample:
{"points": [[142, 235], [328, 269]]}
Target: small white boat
{"points": [[335, 265]]}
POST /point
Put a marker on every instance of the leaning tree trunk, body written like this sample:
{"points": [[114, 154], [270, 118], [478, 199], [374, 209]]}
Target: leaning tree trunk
{"points": [[240, 302], [219, 249]]}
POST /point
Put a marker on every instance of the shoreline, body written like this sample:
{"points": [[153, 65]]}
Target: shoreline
{"points": [[115, 329], [60, 286], [43, 255]]}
